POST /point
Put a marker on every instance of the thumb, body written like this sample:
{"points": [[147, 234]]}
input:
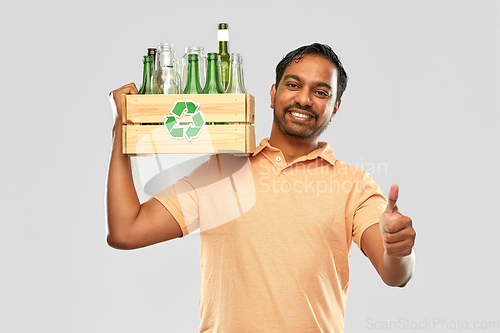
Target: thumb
{"points": [[393, 197]]}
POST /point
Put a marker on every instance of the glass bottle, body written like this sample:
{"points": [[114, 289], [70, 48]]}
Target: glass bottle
{"points": [[202, 64], [193, 78], [147, 73], [166, 79], [213, 86], [236, 85], [223, 39], [152, 52]]}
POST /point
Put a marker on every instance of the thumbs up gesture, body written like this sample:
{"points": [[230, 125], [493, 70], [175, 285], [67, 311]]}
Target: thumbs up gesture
{"points": [[396, 229]]}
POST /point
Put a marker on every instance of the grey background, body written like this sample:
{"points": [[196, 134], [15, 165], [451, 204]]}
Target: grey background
{"points": [[422, 102]]}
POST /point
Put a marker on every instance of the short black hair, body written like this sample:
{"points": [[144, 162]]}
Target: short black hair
{"points": [[317, 49]]}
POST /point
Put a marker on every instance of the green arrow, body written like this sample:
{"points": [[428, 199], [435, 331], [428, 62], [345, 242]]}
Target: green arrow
{"points": [[191, 107], [178, 108], [177, 133], [170, 122], [192, 132], [198, 119]]}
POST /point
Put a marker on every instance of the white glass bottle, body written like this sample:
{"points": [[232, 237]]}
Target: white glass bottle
{"points": [[166, 79], [236, 84]]}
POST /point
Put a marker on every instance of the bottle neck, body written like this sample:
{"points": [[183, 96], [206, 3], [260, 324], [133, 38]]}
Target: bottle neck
{"points": [[223, 39], [236, 85], [165, 60], [212, 85], [193, 81], [165, 56], [147, 73], [148, 66]]}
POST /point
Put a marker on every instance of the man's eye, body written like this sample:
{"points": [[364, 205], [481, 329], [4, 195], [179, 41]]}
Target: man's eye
{"points": [[322, 93], [292, 85]]}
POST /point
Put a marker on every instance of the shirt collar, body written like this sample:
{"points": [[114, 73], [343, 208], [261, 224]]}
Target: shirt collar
{"points": [[322, 151]]}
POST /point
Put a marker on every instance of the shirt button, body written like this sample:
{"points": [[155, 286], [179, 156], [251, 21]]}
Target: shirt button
{"points": [[278, 158], [283, 172]]}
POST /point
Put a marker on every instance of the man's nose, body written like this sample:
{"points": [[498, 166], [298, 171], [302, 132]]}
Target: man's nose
{"points": [[303, 97]]}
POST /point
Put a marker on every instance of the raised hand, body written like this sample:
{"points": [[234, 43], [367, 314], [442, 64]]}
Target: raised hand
{"points": [[128, 89], [396, 229]]}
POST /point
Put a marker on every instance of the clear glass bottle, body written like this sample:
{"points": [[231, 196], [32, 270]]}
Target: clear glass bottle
{"points": [[202, 64], [223, 40], [166, 79], [236, 84], [213, 86], [147, 74], [193, 77]]}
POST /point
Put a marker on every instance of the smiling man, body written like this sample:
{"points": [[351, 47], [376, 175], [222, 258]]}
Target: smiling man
{"points": [[304, 99], [276, 227]]}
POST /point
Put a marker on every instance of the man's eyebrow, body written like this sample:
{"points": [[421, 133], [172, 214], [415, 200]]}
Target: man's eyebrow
{"points": [[292, 76], [323, 84], [317, 83]]}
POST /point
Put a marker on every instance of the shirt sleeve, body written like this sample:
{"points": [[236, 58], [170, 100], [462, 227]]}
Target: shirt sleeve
{"points": [[182, 199], [370, 206]]}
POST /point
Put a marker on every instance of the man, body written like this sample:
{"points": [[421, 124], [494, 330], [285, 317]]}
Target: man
{"points": [[276, 228]]}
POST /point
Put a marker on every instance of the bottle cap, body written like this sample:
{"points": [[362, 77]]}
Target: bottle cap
{"points": [[223, 26]]}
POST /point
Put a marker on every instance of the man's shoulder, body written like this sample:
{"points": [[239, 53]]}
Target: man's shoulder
{"points": [[344, 168]]}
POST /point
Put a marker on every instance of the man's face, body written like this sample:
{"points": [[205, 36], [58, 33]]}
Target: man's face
{"points": [[304, 101]]}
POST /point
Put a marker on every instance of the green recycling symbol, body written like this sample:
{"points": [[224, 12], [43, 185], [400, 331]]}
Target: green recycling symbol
{"points": [[194, 128]]}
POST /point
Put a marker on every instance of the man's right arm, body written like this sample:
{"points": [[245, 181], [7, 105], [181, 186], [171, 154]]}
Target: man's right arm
{"points": [[132, 225]]}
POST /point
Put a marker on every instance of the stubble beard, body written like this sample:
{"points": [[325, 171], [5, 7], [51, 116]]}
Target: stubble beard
{"points": [[305, 132]]}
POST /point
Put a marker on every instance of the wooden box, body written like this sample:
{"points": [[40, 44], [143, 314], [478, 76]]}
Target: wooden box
{"points": [[196, 124]]}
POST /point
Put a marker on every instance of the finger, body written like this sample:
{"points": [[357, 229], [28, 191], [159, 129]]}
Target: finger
{"points": [[400, 249], [393, 197], [398, 224], [128, 89], [403, 235]]}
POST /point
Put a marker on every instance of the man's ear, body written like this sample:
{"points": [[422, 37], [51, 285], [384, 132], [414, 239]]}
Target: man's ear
{"points": [[335, 109], [273, 93]]}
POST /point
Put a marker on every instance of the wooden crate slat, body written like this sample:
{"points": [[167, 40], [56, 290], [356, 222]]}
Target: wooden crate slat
{"points": [[154, 139], [227, 108], [250, 133], [250, 107]]}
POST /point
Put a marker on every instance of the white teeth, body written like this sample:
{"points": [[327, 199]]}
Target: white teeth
{"points": [[300, 115]]}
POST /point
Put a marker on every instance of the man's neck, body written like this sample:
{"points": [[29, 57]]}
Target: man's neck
{"points": [[291, 149]]}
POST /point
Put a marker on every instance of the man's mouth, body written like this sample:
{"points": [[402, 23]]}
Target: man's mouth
{"points": [[300, 115]]}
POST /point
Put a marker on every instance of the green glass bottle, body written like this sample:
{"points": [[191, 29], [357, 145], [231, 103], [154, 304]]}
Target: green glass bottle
{"points": [[213, 86], [147, 73], [152, 52], [193, 80], [223, 39]]}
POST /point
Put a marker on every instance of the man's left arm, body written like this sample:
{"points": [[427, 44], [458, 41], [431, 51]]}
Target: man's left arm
{"points": [[389, 244]]}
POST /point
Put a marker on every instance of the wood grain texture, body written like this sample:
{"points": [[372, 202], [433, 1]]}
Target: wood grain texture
{"points": [[154, 139], [227, 108], [144, 133]]}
